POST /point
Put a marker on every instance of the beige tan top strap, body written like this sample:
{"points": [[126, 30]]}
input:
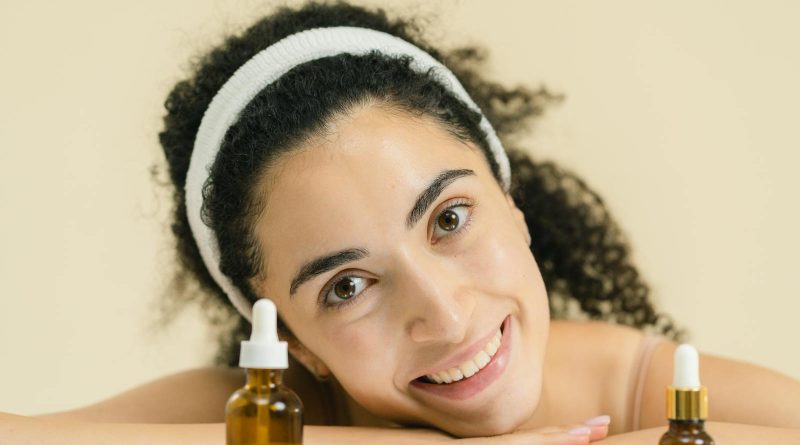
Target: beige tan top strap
{"points": [[638, 376]]}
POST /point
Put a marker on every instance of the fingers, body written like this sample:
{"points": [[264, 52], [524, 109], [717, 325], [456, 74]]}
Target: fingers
{"points": [[590, 430], [599, 427], [596, 432]]}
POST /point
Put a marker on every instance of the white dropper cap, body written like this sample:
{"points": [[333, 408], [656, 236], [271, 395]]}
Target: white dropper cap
{"points": [[687, 370], [263, 350]]}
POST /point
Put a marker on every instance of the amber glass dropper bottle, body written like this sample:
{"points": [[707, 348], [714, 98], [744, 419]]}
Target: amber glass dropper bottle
{"points": [[687, 401], [264, 411]]}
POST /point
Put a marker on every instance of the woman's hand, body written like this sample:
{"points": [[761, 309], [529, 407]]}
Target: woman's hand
{"points": [[591, 430]]}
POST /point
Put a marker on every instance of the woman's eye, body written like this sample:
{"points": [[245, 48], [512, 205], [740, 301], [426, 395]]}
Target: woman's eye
{"points": [[451, 220], [343, 291]]}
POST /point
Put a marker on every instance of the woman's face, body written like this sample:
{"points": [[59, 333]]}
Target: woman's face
{"points": [[412, 291]]}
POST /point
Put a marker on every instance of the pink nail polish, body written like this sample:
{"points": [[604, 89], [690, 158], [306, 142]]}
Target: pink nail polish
{"points": [[580, 431], [598, 421]]}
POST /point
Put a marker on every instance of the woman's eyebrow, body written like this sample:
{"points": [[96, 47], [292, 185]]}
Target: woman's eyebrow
{"points": [[431, 192], [328, 262]]}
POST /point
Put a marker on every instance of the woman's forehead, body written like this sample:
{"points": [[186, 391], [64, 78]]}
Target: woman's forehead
{"points": [[372, 156]]}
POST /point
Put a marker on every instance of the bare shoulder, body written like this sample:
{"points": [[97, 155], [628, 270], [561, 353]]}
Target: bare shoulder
{"points": [[630, 370], [773, 401], [598, 359], [190, 396], [195, 395]]}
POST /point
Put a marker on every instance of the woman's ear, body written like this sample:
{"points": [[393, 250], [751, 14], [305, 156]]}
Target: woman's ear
{"points": [[307, 358], [519, 218]]}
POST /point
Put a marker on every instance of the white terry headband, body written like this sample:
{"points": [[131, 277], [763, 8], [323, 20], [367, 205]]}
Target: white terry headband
{"points": [[263, 69]]}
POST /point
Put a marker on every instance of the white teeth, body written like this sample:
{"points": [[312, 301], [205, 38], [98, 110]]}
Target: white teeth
{"points": [[491, 348], [471, 366], [482, 359], [456, 374]]}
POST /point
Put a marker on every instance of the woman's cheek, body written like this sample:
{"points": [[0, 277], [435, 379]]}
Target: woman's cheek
{"points": [[352, 344], [365, 365], [496, 258]]}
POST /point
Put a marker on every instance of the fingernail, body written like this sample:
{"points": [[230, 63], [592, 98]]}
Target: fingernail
{"points": [[598, 421], [580, 431]]}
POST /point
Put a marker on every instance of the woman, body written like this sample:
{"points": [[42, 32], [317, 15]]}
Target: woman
{"points": [[370, 200]]}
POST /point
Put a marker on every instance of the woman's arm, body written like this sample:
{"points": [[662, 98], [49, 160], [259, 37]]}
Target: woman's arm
{"points": [[738, 392], [187, 407], [38, 431], [193, 396], [45, 431]]}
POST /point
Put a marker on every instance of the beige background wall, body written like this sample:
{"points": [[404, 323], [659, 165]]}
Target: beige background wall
{"points": [[682, 114]]}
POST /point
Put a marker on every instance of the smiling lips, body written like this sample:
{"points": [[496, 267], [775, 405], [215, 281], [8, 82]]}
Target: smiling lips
{"points": [[471, 366], [466, 387], [465, 357]]}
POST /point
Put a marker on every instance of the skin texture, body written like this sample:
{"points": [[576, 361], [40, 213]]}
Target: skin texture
{"points": [[428, 293]]}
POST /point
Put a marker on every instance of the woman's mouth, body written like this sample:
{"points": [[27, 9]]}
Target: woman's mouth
{"points": [[474, 374]]}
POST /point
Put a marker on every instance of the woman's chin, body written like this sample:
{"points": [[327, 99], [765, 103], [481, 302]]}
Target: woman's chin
{"points": [[503, 418], [503, 423]]}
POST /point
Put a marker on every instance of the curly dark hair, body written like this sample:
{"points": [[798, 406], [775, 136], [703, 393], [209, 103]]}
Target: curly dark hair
{"points": [[582, 253]]}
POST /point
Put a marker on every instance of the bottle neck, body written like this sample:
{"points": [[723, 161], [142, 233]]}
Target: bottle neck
{"points": [[686, 426], [264, 378], [687, 403]]}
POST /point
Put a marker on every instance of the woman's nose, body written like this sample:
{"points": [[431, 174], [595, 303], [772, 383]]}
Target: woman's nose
{"points": [[436, 304]]}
